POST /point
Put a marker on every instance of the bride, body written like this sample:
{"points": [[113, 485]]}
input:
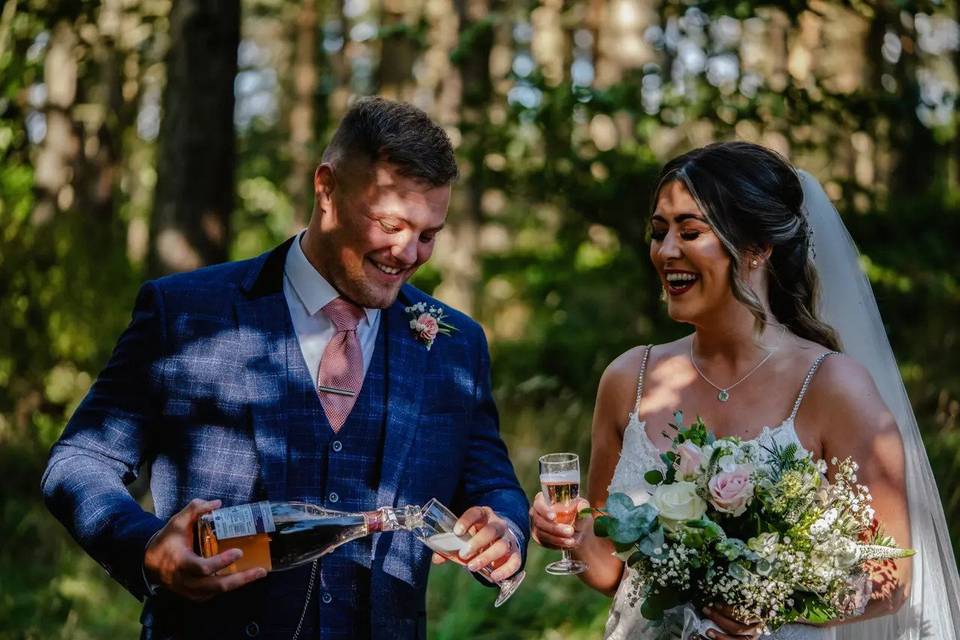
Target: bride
{"points": [[743, 246]]}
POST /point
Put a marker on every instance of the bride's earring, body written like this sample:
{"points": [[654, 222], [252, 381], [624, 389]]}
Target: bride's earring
{"points": [[754, 263]]}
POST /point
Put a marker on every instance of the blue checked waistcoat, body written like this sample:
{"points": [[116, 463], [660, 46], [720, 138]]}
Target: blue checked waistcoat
{"points": [[208, 388]]}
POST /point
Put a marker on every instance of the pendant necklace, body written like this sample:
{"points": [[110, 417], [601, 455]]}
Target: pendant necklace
{"points": [[723, 393]]}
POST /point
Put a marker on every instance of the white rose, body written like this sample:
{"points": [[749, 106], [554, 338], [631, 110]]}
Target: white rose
{"points": [[678, 502]]}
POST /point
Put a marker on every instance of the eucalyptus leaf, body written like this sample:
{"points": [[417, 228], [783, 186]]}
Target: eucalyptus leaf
{"points": [[657, 602], [817, 611], [623, 547], [619, 506], [737, 571], [693, 538], [713, 531], [653, 541], [653, 476], [634, 525], [600, 526]]}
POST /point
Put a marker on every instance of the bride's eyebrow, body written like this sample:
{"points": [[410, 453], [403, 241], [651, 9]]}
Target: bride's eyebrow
{"points": [[679, 218]]}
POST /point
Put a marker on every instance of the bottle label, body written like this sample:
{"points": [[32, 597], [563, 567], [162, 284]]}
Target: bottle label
{"points": [[244, 520]]}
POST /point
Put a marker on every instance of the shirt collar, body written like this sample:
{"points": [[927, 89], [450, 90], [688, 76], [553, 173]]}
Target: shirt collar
{"points": [[312, 288]]}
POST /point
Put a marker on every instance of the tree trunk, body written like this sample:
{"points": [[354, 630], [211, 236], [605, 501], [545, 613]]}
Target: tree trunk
{"points": [[399, 51], [98, 175], [460, 260], [61, 144], [303, 114], [916, 153], [195, 169]]}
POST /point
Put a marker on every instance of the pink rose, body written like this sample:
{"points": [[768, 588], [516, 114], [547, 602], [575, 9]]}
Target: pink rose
{"points": [[427, 327], [691, 457], [731, 491]]}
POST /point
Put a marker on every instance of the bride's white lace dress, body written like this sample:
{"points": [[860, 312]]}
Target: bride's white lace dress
{"points": [[640, 455]]}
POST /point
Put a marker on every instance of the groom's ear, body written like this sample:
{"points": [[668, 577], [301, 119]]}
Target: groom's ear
{"points": [[324, 181]]}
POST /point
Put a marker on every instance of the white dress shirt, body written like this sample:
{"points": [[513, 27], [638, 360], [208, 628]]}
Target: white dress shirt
{"points": [[306, 292]]}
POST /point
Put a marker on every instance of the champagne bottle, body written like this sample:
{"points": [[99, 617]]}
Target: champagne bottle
{"points": [[283, 535]]}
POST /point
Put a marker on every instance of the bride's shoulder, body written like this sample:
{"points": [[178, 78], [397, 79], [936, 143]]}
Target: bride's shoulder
{"points": [[836, 372], [842, 390], [623, 374], [841, 377]]}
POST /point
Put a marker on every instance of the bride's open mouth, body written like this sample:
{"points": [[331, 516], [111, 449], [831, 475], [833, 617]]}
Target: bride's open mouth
{"points": [[679, 282]]}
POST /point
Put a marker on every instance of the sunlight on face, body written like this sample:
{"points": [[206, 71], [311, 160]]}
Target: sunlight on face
{"points": [[690, 259], [374, 229]]}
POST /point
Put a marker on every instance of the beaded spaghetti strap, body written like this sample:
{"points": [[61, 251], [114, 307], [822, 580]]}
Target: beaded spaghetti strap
{"points": [[643, 369], [806, 383]]}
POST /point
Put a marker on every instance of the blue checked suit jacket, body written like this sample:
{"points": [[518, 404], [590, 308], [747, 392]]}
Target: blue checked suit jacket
{"points": [[194, 391]]}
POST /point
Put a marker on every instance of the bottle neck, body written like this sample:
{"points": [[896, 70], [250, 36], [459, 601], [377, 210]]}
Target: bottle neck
{"points": [[405, 518]]}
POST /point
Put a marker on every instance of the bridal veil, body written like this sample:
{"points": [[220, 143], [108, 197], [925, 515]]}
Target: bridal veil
{"points": [[847, 304]]}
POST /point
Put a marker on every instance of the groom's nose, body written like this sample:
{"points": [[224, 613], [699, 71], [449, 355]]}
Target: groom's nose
{"points": [[404, 250]]}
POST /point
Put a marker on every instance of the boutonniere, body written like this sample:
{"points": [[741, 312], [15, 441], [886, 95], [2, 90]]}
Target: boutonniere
{"points": [[428, 322]]}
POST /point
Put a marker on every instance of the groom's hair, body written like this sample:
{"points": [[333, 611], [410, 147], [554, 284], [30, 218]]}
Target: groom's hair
{"points": [[378, 129]]}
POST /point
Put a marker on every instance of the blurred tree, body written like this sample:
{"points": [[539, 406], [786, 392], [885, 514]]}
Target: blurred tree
{"points": [[400, 38], [305, 71], [190, 225], [459, 260]]}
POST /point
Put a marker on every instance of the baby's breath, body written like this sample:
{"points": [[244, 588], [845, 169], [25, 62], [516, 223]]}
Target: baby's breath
{"points": [[800, 538]]}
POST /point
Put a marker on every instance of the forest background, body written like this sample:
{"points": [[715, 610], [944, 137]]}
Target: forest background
{"points": [[144, 137]]}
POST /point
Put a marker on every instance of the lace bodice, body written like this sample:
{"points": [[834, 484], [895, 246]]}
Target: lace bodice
{"points": [[639, 455]]}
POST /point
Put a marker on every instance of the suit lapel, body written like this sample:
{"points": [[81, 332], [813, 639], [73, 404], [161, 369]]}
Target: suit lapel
{"points": [[263, 321], [406, 360]]}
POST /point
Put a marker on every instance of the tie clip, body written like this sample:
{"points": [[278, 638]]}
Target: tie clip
{"points": [[339, 392]]}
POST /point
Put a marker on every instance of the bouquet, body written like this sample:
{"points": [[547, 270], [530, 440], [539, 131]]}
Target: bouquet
{"points": [[756, 527]]}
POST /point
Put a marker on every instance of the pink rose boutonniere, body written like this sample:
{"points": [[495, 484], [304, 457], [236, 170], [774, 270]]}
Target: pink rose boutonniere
{"points": [[428, 322]]}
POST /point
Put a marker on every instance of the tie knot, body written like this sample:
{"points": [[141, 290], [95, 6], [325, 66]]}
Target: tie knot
{"points": [[344, 315]]}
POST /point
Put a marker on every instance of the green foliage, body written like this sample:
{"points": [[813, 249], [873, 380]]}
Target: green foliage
{"points": [[545, 606], [576, 264], [623, 522]]}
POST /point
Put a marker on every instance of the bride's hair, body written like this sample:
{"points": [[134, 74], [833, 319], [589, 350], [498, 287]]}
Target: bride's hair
{"points": [[753, 199]]}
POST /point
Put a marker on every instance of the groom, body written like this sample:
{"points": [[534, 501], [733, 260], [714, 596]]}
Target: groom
{"points": [[309, 374]]}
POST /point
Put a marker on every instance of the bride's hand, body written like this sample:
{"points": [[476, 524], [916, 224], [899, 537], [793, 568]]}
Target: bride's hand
{"points": [[550, 533], [732, 629]]}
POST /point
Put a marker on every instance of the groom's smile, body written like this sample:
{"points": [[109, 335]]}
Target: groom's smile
{"points": [[372, 229]]}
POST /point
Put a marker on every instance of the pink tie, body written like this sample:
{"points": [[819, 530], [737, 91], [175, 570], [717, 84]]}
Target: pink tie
{"points": [[341, 367]]}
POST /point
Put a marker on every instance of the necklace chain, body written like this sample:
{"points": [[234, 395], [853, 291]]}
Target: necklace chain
{"points": [[724, 392]]}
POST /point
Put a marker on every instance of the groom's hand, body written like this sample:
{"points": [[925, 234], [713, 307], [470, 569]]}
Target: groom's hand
{"points": [[492, 543], [170, 561]]}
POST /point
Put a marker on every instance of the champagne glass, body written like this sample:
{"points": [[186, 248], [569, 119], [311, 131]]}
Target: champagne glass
{"points": [[560, 481], [436, 531]]}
